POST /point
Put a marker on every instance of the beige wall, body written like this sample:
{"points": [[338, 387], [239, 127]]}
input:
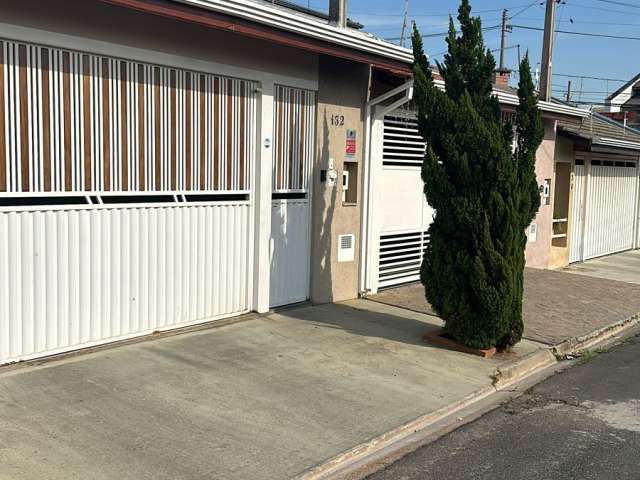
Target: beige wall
{"points": [[559, 255], [537, 253], [342, 92], [100, 21]]}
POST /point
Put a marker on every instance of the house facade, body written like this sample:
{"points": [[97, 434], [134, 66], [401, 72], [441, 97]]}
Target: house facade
{"points": [[166, 163], [623, 105], [596, 209], [169, 163]]}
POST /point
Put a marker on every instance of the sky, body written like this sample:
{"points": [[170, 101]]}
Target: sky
{"points": [[615, 59]]}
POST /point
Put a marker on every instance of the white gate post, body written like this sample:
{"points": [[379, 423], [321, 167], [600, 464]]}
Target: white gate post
{"points": [[637, 215], [262, 203], [585, 208], [377, 140]]}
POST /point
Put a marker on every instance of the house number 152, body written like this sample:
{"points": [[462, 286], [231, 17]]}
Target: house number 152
{"points": [[337, 120]]}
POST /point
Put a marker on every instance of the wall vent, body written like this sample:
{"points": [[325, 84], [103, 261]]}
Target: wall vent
{"points": [[346, 250], [403, 146], [401, 257]]}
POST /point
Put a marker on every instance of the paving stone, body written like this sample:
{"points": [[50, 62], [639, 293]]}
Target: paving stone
{"points": [[558, 305]]}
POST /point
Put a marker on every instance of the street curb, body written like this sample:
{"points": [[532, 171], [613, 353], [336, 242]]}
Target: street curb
{"points": [[514, 372], [577, 344], [507, 378], [360, 452]]}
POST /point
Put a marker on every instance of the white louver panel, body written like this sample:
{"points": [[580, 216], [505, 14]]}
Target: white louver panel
{"points": [[403, 145], [401, 256]]}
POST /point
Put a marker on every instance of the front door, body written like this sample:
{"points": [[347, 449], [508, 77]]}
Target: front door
{"points": [[293, 150]]}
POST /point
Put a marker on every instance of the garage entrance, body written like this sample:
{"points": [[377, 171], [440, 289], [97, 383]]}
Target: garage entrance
{"points": [[125, 198], [605, 203]]}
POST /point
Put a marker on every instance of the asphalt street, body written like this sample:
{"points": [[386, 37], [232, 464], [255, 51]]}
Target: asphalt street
{"points": [[582, 424]]}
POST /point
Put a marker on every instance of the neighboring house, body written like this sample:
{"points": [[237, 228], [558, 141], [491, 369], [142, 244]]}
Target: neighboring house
{"points": [[624, 104], [596, 190], [167, 163]]}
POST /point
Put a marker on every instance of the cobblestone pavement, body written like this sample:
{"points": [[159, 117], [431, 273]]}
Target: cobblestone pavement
{"points": [[557, 305]]}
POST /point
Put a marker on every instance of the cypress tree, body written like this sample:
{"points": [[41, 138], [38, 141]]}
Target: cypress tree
{"points": [[483, 192]]}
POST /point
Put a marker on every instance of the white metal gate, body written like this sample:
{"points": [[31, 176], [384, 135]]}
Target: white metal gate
{"points": [[125, 198], [73, 278], [611, 206], [403, 213], [293, 150], [605, 202], [577, 213]]}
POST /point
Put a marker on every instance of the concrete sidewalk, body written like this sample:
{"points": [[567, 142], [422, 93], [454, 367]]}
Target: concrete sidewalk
{"points": [[268, 398]]}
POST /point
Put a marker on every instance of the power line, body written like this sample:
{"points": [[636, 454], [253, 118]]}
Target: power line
{"points": [[523, 10], [584, 34], [424, 26], [450, 14], [575, 92], [586, 77], [589, 78], [441, 34], [608, 10], [622, 4], [579, 21]]}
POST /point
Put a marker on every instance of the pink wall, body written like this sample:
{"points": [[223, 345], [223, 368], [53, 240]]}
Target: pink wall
{"points": [[538, 252]]}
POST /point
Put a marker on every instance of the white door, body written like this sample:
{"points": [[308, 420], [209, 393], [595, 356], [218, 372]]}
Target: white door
{"points": [[577, 213], [612, 196], [293, 150], [403, 213], [290, 251]]}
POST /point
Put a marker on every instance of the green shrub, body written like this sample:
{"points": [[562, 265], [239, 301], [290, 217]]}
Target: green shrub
{"points": [[484, 194]]}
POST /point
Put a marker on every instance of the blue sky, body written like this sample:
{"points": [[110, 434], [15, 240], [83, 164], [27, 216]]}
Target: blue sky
{"points": [[573, 55]]}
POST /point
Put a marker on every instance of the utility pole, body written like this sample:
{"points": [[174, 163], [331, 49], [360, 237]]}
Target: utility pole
{"points": [[503, 42], [547, 51], [568, 91], [404, 22]]}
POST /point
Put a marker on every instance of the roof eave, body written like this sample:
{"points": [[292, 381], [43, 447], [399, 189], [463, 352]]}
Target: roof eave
{"points": [[282, 19], [612, 142], [186, 12], [507, 98]]}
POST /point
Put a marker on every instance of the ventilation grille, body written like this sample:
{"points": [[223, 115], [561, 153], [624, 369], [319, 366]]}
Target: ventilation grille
{"points": [[401, 257], [403, 145], [346, 250]]}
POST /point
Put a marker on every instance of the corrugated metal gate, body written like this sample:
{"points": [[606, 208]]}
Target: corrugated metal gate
{"points": [[404, 213], [605, 206], [125, 198], [293, 150], [577, 216]]}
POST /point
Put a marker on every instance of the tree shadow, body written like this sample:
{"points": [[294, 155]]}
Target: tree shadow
{"points": [[368, 323], [322, 234]]}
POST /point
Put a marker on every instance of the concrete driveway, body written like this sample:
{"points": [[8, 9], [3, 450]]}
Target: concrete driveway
{"points": [[263, 399], [560, 305], [623, 267]]}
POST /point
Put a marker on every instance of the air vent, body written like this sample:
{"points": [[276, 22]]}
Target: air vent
{"points": [[346, 250], [403, 145], [401, 257]]}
